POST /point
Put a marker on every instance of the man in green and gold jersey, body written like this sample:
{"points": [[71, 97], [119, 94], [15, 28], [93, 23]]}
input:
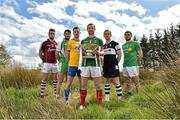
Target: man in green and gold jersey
{"points": [[132, 58]]}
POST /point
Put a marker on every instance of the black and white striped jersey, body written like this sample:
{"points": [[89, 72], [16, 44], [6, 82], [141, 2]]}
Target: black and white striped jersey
{"points": [[110, 50]]}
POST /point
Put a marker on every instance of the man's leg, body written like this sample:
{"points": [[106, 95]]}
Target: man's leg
{"points": [[96, 75], [107, 88], [67, 88], [56, 77], [128, 85], [59, 83], [83, 91], [98, 89], [136, 81], [43, 84], [118, 87]]}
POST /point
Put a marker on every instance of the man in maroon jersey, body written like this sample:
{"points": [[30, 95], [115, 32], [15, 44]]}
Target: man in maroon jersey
{"points": [[48, 57]]}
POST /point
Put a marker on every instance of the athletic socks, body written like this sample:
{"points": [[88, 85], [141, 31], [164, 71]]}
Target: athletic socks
{"points": [[99, 96], [83, 94], [66, 94], [119, 91], [107, 91], [54, 85], [43, 87]]}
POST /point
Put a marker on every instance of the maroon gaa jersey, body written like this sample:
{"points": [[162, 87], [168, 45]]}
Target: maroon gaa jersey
{"points": [[49, 48]]}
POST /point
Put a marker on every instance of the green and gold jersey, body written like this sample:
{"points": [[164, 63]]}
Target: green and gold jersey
{"points": [[91, 43], [130, 50]]}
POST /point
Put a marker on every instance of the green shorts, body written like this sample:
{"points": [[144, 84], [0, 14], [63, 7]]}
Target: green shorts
{"points": [[63, 66]]}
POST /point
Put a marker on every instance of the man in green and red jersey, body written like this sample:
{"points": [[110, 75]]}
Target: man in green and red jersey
{"points": [[132, 57], [90, 67], [63, 61], [47, 54]]}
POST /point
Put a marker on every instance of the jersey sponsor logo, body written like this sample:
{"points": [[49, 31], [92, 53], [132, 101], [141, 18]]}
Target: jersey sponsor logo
{"points": [[109, 51], [77, 47], [129, 49]]}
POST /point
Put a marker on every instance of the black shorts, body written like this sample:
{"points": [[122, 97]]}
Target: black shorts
{"points": [[111, 71]]}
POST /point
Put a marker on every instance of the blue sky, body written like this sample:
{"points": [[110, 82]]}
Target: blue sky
{"points": [[25, 23]]}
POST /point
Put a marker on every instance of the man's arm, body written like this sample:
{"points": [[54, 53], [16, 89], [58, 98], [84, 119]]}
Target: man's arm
{"points": [[41, 53], [140, 55], [58, 49], [118, 55], [67, 55]]}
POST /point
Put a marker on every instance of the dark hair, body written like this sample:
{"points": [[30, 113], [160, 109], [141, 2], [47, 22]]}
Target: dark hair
{"points": [[67, 30], [90, 24], [51, 29], [75, 28], [107, 31], [128, 32]]}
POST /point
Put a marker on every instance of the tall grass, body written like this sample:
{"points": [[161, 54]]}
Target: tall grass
{"points": [[19, 98], [167, 101], [18, 77]]}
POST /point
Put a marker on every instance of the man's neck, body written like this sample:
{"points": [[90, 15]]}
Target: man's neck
{"points": [[76, 39], [91, 36], [108, 41], [66, 39], [51, 40], [128, 40]]}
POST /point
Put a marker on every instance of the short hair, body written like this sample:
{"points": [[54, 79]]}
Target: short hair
{"points": [[107, 31], [128, 32], [76, 28], [91, 24], [67, 30], [51, 29]]}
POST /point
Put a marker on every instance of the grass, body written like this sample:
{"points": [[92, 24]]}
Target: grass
{"points": [[20, 98]]}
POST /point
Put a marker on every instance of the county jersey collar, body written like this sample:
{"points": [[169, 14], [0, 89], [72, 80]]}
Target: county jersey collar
{"points": [[108, 42]]}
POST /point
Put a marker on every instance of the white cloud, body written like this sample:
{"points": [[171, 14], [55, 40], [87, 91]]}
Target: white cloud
{"points": [[164, 18], [48, 15]]}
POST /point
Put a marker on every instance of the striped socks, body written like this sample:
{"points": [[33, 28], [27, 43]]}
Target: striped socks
{"points": [[54, 85], [107, 91], [43, 87], [119, 91]]}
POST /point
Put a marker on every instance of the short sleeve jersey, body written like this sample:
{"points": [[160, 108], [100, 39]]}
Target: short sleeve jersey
{"points": [[110, 50], [62, 48], [74, 51], [49, 48], [130, 50], [91, 61]]}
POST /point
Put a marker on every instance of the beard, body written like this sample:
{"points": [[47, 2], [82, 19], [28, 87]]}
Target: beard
{"points": [[52, 38]]}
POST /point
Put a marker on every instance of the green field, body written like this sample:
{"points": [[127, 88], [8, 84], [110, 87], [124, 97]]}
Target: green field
{"points": [[20, 88]]}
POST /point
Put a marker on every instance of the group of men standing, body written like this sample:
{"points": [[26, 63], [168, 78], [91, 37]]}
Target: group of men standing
{"points": [[83, 58]]}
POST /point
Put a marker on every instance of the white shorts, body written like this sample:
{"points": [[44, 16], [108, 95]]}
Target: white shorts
{"points": [[131, 71], [50, 68], [91, 71]]}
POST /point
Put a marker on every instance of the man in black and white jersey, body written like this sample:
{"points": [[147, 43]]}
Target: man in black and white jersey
{"points": [[112, 56]]}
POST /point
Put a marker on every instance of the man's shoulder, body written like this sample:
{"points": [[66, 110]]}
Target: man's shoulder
{"points": [[97, 38], [114, 42], [85, 40]]}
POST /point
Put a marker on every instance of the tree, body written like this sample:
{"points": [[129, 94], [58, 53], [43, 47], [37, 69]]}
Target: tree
{"points": [[177, 38], [158, 47], [4, 56], [135, 38], [144, 45]]}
